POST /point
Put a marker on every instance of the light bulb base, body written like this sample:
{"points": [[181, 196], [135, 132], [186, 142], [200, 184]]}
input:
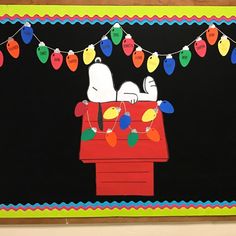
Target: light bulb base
{"points": [[94, 129], [27, 24], [139, 49], [116, 25], [57, 50]]}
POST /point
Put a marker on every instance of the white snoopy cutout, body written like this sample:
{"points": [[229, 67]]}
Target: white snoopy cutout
{"points": [[101, 87]]}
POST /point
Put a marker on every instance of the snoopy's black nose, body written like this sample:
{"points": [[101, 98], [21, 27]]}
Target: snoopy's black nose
{"points": [[98, 60]]}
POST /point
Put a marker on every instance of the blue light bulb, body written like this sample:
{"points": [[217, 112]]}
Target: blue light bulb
{"points": [[169, 65], [166, 106], [27, 33], [233, 56], [106, 46], [125, 121]]}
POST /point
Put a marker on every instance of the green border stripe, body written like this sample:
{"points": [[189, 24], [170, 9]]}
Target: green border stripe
{"points": [[119, 212], [140, 11]]}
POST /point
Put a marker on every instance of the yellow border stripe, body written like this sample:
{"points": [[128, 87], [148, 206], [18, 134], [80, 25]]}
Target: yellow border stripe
{"points": [[140, 11], [119, 212]]}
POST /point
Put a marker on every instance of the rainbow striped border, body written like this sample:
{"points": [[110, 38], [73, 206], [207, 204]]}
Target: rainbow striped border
{"points": [[111, 14], [122, 209]]}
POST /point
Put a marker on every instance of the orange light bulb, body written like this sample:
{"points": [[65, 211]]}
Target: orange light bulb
{"points": [[111, 138], [153, 134], [212, 34], [138, 57], [13, 48], [72, 61]]}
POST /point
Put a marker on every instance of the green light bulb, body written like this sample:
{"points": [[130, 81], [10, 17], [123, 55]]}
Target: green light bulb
{"points": [[42, 52], [185, 56], [116, 34], [132, 138], [88, 134]]}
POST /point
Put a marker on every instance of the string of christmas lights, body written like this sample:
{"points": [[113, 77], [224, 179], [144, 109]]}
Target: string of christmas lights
{"points": [[124, 121], [114, 36]]}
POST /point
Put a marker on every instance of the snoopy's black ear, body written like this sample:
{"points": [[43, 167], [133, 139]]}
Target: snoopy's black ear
{"points": [[98, 60]]}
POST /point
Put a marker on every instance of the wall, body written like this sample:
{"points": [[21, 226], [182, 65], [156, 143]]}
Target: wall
{"points": [[209, 229]]}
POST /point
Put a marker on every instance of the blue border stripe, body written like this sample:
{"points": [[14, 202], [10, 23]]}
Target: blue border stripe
{"points": [[122, 22], [121, 204]]}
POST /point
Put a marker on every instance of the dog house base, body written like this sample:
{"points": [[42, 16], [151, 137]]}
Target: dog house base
{"points": [[125, 178]]}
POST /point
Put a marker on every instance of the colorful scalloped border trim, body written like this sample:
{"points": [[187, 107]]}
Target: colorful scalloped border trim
{"points": [[113, 209], [111, 14], [137, 15], [122, 20]]}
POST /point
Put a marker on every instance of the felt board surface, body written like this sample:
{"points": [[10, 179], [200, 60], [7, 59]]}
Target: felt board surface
{"points": [[40, 136]]}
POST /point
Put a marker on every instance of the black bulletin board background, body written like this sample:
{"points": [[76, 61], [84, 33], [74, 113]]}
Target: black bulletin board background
{"points": [[40, 137]]}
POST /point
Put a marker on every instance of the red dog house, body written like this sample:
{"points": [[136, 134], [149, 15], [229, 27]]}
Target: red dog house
{"points": [[124, 170]]}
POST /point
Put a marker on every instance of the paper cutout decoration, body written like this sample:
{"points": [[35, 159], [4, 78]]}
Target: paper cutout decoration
{"points": [[1, 58], [169, 64], [111, 138], [116, 34], [153, 62], [138, 57], [212, 34], [224, 45], [89, 54], [132, 138], [81, 108], [42, 52], [88, 134], [124, 163], [185, 56], [72, 61], [125, 121], [153, 134], [149, 115], [128, 45], [233, 56], [111, 113], [200, 47], [56, 59], [166, 107], [101, 86], [27, 33], [106, 46], [13, 48]]}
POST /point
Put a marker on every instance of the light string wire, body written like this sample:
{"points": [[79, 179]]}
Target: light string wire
{"points": [[226, 36], [5, 41], [124, 31], [116, 121]]}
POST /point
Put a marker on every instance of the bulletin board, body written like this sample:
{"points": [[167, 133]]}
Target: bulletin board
{"points": [[58, 159]]}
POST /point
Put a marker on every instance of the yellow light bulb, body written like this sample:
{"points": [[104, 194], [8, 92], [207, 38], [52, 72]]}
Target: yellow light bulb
{"points": [[111, 113], [89, 54], [224, 45], [153, 62], [149, 115]]}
